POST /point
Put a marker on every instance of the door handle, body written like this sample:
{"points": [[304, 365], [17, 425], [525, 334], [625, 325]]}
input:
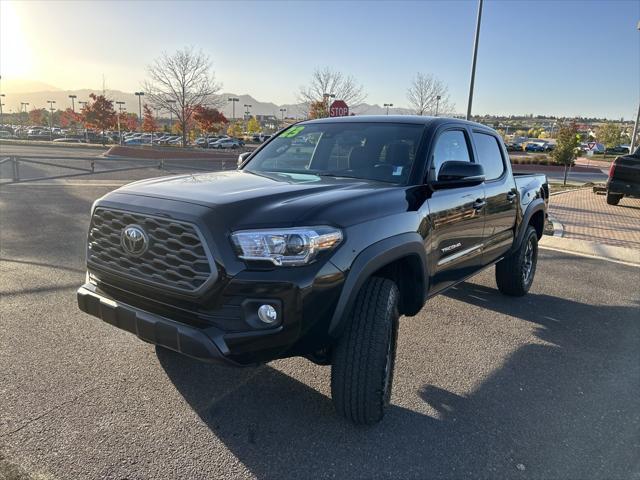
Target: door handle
{"points": [[511, 196], [479, 204]]}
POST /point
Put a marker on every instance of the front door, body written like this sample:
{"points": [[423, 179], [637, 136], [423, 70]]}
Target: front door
{"points": [[457, 217]]}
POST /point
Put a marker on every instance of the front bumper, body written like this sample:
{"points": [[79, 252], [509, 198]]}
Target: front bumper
{"points": [[203, 344]]}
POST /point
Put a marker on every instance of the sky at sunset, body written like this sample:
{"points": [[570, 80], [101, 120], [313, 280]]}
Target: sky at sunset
{"points": [[555, 57]]}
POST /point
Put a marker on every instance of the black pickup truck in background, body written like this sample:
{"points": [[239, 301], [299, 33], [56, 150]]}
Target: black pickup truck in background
{"points": [[323, 238], [624, 178]]}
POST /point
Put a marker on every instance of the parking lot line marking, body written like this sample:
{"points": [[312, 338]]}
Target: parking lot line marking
{"points": [[579, 254]]}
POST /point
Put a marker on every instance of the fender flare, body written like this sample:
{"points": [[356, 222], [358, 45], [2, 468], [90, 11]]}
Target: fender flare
{"points": [[534, 207], [369, 261]]}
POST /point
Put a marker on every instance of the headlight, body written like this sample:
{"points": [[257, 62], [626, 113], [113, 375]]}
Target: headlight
{"points": [[286, 246]]}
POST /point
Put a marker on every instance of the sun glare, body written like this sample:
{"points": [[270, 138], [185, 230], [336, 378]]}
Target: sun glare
{"points": [[15, 53]]}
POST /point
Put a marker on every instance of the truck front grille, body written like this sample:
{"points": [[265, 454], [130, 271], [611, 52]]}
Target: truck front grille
{"points": [[175, 256]]}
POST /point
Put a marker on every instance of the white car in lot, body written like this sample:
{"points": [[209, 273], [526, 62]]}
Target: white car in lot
{"points": [[226, 143]]}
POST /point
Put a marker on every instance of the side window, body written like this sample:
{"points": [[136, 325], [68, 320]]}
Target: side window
{"points": [[489, 155], [450, 145]]}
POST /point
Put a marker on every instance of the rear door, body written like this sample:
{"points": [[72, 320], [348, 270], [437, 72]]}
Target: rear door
{"points": [[457, 215], [500, 195]]}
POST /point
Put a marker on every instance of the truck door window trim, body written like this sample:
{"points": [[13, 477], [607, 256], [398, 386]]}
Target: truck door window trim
{"points": [[504, 166]]}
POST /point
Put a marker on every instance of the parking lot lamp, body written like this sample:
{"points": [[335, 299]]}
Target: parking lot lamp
{"points": [[247, 107], [327, 98], [120, 104], [51, 102], [139, 95], [282, 110], [388, 105], [233, 101], [438, 103], [473, 62], [1, 105], [73, 102], [171, 102], [635, 127]]}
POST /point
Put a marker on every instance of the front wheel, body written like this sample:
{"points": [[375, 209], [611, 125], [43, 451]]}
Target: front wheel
{"points": [[514, 274], [364, 358]]}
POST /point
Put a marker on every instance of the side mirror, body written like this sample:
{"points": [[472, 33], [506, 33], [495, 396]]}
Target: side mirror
{"points": [[242, 157], [455, 173]]}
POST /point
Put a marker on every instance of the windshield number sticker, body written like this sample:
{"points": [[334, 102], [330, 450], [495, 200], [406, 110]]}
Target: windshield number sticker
{"points": [[292, 133]]}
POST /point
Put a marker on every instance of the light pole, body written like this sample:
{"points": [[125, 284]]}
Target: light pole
{"points": [[171, 103], [328, 96], [139, 95], [388, 105], [1, 105], [233, 101], [247, 113], [23, 106], [51, 102], [120, 104], [438, 103], [282, 110], [635, 127], [86, 134], [473, 62], [73, 102]]}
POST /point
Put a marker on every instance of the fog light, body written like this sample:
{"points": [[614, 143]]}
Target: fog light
{"points": [[267, 314]]}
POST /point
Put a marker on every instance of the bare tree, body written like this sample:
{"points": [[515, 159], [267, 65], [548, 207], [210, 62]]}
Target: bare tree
{"points": [[181, 82], [424, 92], [328, 81]]}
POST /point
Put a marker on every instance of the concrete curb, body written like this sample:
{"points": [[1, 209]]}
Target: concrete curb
{"points": [[46, 143], [627, 256], [570, 190]]}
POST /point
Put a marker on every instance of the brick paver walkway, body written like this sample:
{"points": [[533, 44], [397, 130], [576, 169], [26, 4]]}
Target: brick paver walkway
{"points": [[586, 216]]}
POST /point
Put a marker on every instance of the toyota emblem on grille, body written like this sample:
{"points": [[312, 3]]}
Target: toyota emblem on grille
{"points": [[134, 240]]}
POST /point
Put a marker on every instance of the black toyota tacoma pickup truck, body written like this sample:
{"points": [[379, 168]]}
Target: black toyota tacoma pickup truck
{"points": [[322, 239], [624, 178]]}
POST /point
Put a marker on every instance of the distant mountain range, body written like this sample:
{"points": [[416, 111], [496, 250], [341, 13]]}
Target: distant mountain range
{"points": [[38, 99]]}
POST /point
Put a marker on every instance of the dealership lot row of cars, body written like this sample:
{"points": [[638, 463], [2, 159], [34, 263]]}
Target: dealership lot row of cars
{"points": [[58, 134]]}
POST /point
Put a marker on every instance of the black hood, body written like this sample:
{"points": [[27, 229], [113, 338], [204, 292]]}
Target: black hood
{"points": [[250, 200]]}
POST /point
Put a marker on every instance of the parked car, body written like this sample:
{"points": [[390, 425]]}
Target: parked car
{"points": [[514, 147], [273, 261], [534, 147], [69, 140], [624, 178], [227, 143], [618, 150], [5, 134]]}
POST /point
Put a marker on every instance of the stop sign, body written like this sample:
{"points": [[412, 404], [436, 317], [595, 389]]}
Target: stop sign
{"points": [[339, 109]]}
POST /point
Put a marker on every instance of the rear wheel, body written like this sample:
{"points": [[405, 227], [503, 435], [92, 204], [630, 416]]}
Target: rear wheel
{"points": [[514, 274], [613, 199], [363, 360]]}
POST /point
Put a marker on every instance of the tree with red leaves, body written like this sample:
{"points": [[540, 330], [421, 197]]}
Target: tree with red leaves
{"points": [[37, 116], [209, 120], [70, 119], [149, 123], [99, 113]]}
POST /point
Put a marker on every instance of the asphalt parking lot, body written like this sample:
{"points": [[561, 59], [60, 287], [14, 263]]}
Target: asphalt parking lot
{"points": [[486, 386]]}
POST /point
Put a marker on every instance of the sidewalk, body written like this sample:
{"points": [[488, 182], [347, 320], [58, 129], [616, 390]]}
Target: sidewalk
{"points": [[586, 216]]}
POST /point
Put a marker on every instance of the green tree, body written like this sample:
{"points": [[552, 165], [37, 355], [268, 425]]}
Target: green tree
{"points": [[567, 146], [235, 129], [253, 125], [610, 135]]}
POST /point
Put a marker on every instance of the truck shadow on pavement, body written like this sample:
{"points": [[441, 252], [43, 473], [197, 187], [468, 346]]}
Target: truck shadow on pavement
{"points": [[563, 407]]}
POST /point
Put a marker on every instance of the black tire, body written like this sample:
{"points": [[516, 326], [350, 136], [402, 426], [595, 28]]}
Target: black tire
{"points": [[363, 360], [515, 273], [613, 199]]}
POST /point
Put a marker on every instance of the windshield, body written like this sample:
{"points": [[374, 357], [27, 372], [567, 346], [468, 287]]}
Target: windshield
{"points": [[373, 151]]}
